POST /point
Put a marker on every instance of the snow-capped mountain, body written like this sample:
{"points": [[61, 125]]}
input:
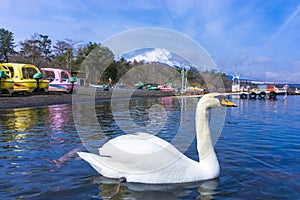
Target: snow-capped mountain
{"points": [[157, 55]]}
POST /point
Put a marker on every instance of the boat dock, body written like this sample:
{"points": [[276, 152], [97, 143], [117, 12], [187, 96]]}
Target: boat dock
{"points": [[263, 90]]}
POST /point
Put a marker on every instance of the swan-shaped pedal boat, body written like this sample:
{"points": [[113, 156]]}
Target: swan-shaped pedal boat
{"points": [[145, 158]]}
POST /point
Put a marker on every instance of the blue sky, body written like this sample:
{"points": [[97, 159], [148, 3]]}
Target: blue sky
{"points": [[260, 38]]}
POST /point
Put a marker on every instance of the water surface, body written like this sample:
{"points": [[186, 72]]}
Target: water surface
{"points": [[258, 150]]}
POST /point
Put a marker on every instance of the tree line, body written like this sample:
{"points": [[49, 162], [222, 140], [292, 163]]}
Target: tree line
{"points": [[40, 51], [67, 54]]}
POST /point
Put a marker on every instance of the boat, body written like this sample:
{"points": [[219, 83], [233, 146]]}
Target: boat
{"points": [[297, 91], [264, 91], [6, 85], [60, 80], [167, 88], [151, 87], [195, 89], [104, 86], [139, 85], [27, 78]]}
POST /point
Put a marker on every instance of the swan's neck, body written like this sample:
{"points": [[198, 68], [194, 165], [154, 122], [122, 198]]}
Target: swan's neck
{"points": [[205, 147]]}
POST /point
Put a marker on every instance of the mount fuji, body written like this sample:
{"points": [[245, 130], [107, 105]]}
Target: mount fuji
{"points": [[157, 55]]}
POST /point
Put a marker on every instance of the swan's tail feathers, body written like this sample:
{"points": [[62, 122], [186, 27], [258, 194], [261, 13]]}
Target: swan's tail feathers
{"points": [[96, 162]]}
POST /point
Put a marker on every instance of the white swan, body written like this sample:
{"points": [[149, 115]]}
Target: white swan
{"points": [[145, 158]]}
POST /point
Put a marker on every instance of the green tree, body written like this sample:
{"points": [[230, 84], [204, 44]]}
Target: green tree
{"points": [[30, 49], [6, 45], [45, 47], [82, 54], [117, 69], [97, 62], [37, 50]]}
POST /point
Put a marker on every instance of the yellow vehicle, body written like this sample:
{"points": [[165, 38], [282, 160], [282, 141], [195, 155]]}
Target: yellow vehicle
{"points": [[6, 85], [25, 77]]}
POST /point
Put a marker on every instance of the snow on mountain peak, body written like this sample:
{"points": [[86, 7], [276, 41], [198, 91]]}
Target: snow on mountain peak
{"points": [[155, 55]]}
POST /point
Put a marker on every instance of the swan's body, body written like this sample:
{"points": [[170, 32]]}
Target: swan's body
{"points": [[146, 158]]}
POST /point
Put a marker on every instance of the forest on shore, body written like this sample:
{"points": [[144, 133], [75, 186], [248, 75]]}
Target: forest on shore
{"points": [[68, 54]]}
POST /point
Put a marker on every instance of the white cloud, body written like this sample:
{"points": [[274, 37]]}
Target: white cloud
{"points": [[263, 61], [273, 75]]}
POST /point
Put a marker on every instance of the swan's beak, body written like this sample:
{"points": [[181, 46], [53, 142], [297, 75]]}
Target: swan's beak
{"points": [[225, 102]]}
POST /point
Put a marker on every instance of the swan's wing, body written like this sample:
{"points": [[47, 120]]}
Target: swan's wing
{"points": [[140, 143], [133, 154], [141, 152]]}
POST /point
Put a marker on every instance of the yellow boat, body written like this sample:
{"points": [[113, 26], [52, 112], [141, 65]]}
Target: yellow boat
{"points": [[23, 77], [6, 85]]}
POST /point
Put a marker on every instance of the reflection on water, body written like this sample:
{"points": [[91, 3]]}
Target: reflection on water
{"points": [[111, 189], [57, 118], [20, 119], [24, 120], [30, 139]]}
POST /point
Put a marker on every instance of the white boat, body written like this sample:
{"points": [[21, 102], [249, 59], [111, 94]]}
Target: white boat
{"points": [[262, 91], [105, 87]]}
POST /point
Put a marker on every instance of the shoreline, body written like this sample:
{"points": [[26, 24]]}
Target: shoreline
{"points": [[35, 100], [83, 95]]}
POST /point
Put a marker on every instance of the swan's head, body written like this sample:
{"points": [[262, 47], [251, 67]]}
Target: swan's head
{"points": [[213, 100]]}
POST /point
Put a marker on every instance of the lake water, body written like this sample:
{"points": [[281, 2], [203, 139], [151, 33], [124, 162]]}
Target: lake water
{"points": [[258, 149]]}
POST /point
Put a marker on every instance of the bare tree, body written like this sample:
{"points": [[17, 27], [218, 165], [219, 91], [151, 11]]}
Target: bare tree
{"points": [[65, 53]]}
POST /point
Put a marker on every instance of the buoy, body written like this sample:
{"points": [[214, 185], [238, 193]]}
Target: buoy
{"points": [[243, 96], [252, 95], [272, 95], [262, 95]]}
